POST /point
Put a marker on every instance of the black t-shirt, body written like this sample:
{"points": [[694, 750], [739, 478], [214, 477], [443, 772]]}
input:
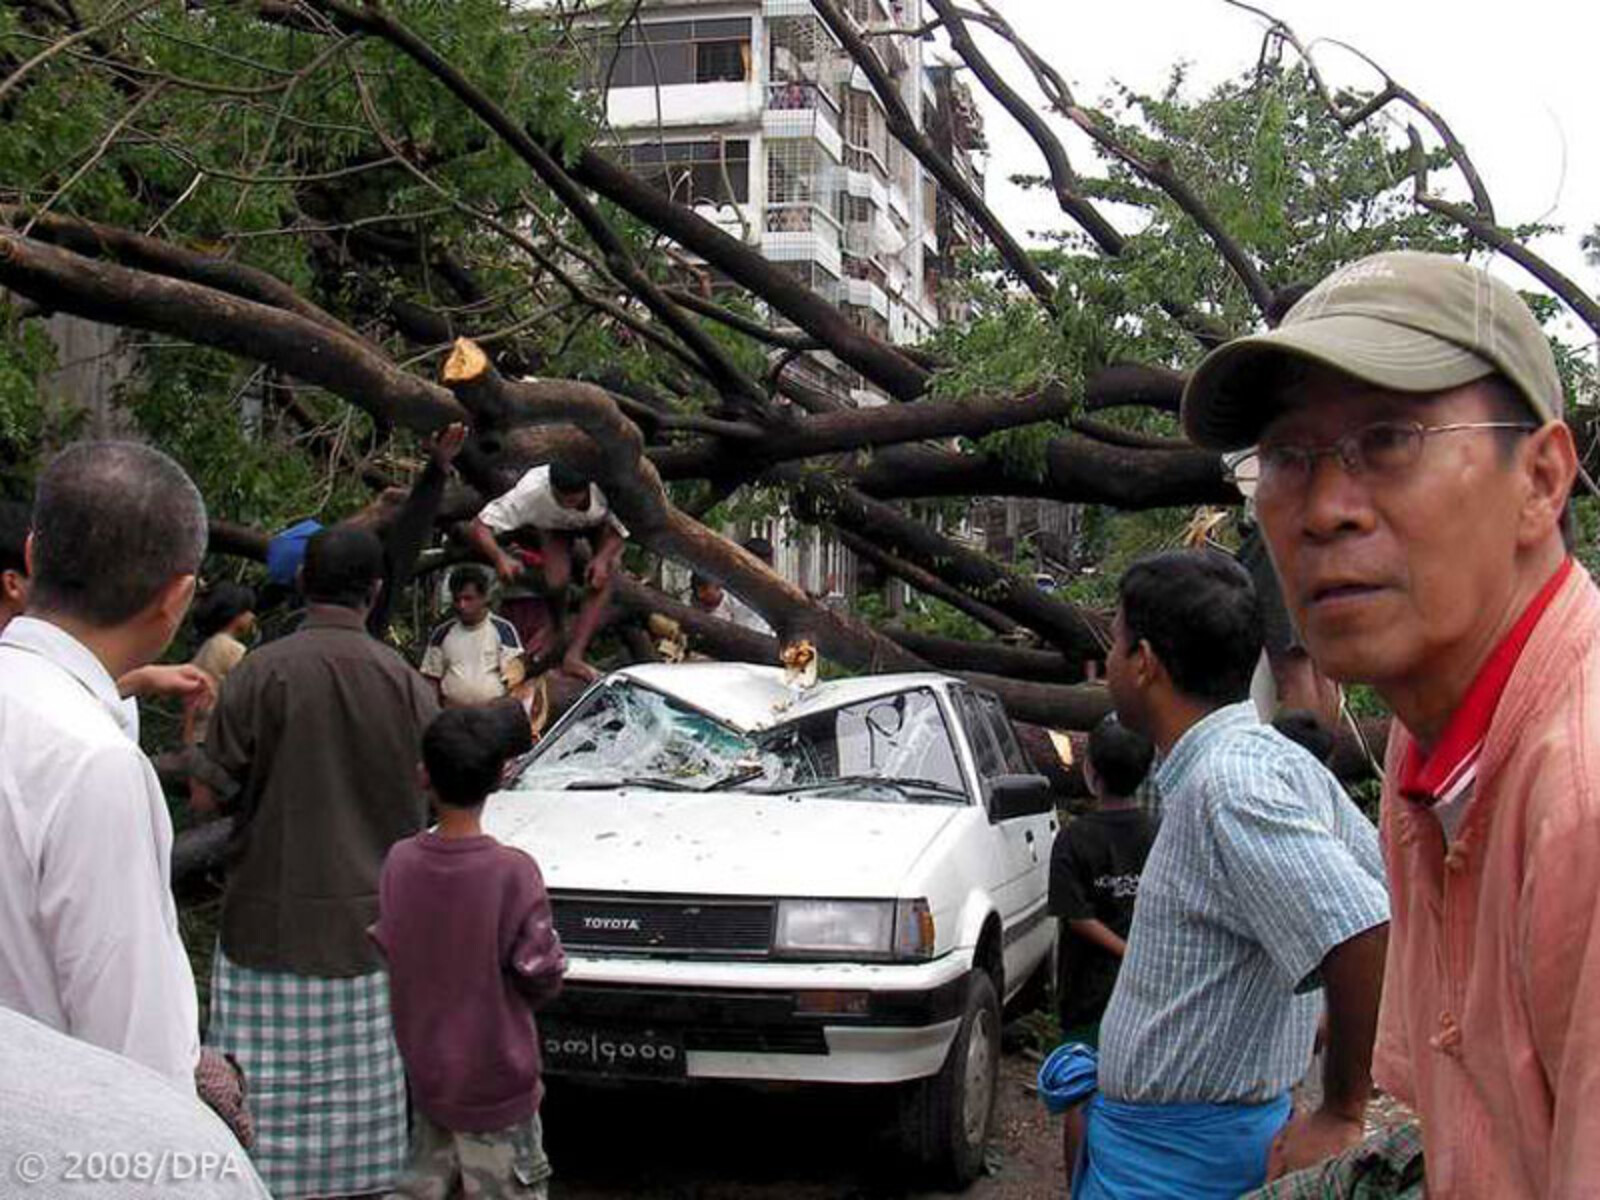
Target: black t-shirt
{"points": [[1094, 873]]}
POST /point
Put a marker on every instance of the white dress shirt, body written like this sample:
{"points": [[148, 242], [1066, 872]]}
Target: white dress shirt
{"points": [[88, 928]]}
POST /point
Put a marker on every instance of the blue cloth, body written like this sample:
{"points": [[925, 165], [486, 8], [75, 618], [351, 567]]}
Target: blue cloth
{"points": [[287, 550], [1175, 1151], [1262, 865], [1068, 1077]]}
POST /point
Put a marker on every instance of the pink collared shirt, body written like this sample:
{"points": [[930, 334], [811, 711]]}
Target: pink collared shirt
{"points": [[1491, 1007]]}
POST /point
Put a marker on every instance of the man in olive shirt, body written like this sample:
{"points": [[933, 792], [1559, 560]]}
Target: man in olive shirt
{"points": [[314, 745]]}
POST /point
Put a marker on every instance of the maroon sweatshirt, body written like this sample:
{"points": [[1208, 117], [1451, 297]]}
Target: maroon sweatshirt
{"points": [[472, 947]]}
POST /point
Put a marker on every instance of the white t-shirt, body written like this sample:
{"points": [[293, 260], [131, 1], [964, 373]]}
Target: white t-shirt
{"points": [[89, 938], [743, 615], [532, 503], [474, 664]]}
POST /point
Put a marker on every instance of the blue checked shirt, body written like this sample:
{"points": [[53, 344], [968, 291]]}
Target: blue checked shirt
{"points": [[1262, 865]]}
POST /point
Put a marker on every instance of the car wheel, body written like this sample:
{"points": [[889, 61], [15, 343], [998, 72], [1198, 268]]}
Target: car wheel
{"points": [[946, 1120]]}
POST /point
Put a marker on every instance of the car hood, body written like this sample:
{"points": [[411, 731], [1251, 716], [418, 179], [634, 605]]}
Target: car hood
{"points": [[728, 843]]}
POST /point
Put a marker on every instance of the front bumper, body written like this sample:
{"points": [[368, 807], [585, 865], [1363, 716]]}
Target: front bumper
{"points": [[745, 1020]]}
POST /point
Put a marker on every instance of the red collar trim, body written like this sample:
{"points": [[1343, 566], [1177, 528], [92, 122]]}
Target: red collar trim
{"points": [[1426, 778]]}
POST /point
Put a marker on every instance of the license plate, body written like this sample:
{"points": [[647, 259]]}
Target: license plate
{"points": [[580, 1050]]}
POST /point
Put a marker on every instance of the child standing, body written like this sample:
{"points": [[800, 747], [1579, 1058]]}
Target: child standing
{"points": [[1094, 877], [467, 929], [476, 657]]}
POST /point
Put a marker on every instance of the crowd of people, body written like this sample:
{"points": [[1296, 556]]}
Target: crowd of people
{"points": [[379, 959]]}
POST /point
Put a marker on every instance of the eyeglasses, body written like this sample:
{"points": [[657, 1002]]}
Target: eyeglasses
{"points": [[1382, 449]]}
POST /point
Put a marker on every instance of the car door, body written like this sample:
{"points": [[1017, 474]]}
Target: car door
{"points": [[1034, 936], [1015, 850]]}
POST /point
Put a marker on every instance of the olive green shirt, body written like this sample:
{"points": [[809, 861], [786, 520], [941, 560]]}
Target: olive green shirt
{"points": [[314, 744]]}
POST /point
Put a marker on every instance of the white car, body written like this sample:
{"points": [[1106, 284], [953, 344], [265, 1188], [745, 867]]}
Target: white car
{"points": [[841, 884]]}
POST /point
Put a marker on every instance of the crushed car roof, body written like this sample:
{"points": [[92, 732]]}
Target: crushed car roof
{"points": [[750, 697]]}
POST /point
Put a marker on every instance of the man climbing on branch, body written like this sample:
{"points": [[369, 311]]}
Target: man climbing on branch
{"points": [[547, 510]]}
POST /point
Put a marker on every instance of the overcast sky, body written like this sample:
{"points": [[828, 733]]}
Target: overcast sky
{"points": [[1518, 87]]}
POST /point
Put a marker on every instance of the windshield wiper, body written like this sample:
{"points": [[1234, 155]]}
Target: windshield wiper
{"points": [[735, 778], [903, 786], [639, 781]]}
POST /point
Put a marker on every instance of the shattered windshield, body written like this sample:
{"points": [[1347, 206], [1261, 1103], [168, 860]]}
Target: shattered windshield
{"points": [[890, 747], [624, 733], [893, 748]]}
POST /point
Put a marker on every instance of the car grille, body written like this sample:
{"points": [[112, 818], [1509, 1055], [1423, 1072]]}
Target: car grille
{"points": [[666, 925]]}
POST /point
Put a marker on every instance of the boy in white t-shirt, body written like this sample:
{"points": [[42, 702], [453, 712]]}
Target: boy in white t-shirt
{"points": [[475, 657]]}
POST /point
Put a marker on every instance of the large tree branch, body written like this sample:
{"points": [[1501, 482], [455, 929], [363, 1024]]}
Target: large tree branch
{"points": [[1077, 470], [1080, 635], [880, 362], [1063, 179], [96, 240], [926, 582], [635, 491], [887, 424], [719, 367], [905, 131], [309, 350]]}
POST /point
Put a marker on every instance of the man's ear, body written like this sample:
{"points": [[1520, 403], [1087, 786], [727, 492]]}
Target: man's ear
{"points": [[173, 600], [13, 588], [1550, 463], [1147, 668]]}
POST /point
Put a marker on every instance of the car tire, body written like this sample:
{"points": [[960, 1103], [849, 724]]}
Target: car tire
{"points": [[946, 1120]]}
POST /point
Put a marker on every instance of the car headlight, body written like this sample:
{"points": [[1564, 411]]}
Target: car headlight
{"points": [[854, 929]]}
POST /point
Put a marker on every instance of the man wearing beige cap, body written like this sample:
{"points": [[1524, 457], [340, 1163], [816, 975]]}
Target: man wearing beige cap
{"points": [[1413, 475]]}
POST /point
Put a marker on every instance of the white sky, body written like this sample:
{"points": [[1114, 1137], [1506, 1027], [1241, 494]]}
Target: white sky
{"points": [[1517, 86]]}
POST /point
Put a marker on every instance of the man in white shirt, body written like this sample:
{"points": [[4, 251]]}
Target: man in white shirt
{"points": [[477, 656], [88, 929], [559, 505], [739, 612]]}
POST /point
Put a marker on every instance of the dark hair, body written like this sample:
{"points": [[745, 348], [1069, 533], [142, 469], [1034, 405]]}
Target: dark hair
{"points": [[464, 577], [1119, 756], [1303, 729], [14, 523], [1200, 614], [113, 524], [465, 749], [568, 479], [218, 608], [761, 548], [698, 581], [341, 565]]}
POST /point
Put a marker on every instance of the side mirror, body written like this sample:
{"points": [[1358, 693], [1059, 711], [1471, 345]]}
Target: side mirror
{"points": [[1019, 796]]}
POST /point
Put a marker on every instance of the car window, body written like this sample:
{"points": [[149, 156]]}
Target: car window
{"points": [[901, 738], [1011, 751], [625, 731], [984, 747]]}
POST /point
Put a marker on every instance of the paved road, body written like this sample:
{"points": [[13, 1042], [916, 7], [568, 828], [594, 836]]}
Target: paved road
{"points": [[712, 1143]]}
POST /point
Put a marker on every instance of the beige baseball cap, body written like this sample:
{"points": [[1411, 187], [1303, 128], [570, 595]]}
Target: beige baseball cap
{"points": [[1403, 320]]}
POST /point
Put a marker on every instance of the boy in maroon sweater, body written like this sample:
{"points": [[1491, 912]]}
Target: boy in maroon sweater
{"points": [[466, 926]]}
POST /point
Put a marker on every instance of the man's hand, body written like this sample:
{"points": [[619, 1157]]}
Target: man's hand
{"points": [[600, 570], [507, 568], [1309, 1139], [446, 444], [182, 681]]}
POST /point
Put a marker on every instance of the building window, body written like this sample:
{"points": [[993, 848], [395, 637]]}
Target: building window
{"points": [[714, 172], [672, 52]]}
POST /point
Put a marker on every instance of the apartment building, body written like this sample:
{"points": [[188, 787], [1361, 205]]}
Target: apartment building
{"points": [[753, 113]]}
